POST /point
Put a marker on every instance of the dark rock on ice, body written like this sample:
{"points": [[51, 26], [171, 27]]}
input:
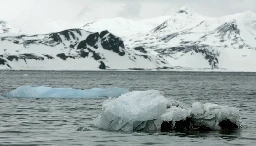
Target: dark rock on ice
{"points": [[92, 40], [112, 42], [102, 65], [141, 49]]}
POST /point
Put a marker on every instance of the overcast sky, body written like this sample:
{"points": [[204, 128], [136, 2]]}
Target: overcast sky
{"points": [[69, 13]]}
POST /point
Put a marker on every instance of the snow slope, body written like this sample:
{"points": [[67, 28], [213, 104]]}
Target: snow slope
{"points": [[124, 27], [193, 41], [73, 49]]}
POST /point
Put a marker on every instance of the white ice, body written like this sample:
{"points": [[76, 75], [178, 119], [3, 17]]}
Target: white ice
{"points": [[210, 115], [128, 111], [48, 92], [147, 110], [175, 114]]}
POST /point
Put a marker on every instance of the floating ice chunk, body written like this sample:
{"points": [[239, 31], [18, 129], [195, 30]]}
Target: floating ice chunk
{"points": [[175, 114], [48, 92], [197, 109], [215, 117], [134, 110], [151, 111]]}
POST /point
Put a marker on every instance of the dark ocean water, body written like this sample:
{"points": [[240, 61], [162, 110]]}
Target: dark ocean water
{"points": [[30, 121]]}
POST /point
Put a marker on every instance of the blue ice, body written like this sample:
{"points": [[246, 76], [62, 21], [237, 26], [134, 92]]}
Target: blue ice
{"points": [[48, 92]]}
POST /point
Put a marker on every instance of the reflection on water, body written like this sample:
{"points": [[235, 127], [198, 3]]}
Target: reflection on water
{"points": [[27, 121]]}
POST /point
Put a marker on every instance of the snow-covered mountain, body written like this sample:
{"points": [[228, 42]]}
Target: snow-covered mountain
{"points": [[183, 40], [190, 40], [124, 27], [74, 49]]}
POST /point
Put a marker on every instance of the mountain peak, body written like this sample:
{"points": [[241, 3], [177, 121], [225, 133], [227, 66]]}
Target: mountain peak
{"points": [[185, 10]]}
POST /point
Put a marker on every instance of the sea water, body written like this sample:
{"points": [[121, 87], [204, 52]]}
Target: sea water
{"points": [[70, 121]]}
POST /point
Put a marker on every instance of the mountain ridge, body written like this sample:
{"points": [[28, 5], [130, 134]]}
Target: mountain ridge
{"points": [[73, 49], [184, 40]]}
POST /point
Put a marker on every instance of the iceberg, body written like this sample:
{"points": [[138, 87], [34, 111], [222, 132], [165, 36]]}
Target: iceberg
{"points": [[150, 111], [132, 110], [48, 92], [214, 116]]}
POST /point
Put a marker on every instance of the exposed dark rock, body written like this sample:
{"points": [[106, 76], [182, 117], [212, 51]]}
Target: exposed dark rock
{"points": [[88, 24], [9, 66], [96, 56], [2, 61], [82, 45], [28, 42], [71, 46], [16, 42], [48, 56], [183, 11], [160, 27], [141, 49], [103, 33], [51, 39], [145, 56], [68, 35], [92, 40], [227, 29], [170, 37], [55, 37], [121, 53], [102, 65], [62, 56], [84, 54], [30, 56], [12, 57], [112, 42], [27, 56], [210, 56]]}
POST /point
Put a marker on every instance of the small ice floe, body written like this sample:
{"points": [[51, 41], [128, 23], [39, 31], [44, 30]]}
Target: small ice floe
{"points": [[151, 111], [48, 92]]}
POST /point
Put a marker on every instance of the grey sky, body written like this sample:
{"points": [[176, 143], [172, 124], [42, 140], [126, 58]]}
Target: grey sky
{"points": [[63, 13]]}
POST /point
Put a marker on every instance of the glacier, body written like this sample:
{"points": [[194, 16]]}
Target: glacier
{"points": [[150, 111], [48, 92]]}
